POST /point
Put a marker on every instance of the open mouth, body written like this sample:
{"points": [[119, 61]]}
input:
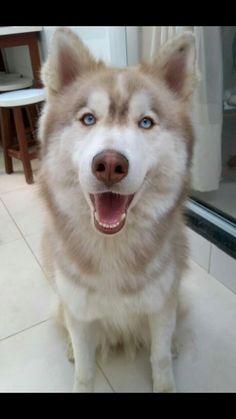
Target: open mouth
{"points": [[110, 210]]}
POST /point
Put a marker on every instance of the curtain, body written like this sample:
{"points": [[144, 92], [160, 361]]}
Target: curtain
{"points": [[153, 37], [207, 100]]}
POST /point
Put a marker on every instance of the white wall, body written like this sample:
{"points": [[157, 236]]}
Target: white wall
{"points": [[216, 262], [18, 60], [105, 42], [133, 38]]}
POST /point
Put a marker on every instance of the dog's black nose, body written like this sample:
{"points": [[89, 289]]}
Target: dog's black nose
{"points": [[110, 167]]}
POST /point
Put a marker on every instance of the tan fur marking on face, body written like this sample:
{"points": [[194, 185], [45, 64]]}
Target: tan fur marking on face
{"points": [[118, 112], [121, 90]]}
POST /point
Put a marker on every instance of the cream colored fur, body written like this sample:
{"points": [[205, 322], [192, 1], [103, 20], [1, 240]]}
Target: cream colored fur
{"points": [[120, 289]]}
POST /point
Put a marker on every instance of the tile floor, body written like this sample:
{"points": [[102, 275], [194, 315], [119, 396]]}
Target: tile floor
{"points": [[32, 353]]}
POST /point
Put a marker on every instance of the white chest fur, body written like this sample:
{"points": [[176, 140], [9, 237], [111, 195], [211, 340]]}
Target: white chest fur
{"points": [[87, 305]]}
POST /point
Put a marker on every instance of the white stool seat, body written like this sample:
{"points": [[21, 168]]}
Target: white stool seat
{"points": [[22, 97], [13, 81]]}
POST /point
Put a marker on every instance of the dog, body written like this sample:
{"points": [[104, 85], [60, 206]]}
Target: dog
{"points": [[116, 150]]}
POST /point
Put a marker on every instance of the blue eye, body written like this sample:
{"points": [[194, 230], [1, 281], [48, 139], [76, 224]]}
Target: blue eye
{"points": [[88, 119], [146, 123]]}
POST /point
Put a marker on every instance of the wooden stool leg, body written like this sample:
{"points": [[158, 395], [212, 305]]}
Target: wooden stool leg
{"points": [[35, 58], [20, 130], [6, 138], [32, 117]]}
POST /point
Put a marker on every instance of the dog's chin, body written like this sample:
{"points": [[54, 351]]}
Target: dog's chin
{"points": [[110, 211]]}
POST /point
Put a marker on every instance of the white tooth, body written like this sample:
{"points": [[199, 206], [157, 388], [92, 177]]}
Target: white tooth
{"points": [[110, 226], [104, 225]]}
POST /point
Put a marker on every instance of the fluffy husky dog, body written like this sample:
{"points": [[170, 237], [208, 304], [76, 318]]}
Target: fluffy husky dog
{"points": [[116, 147]]}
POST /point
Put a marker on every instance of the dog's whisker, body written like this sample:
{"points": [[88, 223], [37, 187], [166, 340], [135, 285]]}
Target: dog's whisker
{"points": [[149, 181]]}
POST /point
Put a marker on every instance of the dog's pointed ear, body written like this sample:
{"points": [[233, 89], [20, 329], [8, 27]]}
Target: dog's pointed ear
{"points": [[68, 59], [175, 64]]}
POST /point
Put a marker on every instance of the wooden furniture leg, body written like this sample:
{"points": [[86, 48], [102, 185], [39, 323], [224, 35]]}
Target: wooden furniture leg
{"points": [[6, 138], [20, 130], [32, 117], [35, 58]]}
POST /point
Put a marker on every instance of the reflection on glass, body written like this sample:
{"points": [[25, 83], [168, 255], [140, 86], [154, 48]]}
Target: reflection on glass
{"points": [[214, 166]]}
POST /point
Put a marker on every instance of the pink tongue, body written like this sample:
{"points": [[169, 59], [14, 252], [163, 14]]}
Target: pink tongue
{"points": [[110, 207]]}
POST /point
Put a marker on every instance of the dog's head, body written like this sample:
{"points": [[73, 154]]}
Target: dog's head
{"points": [[118, 133]]}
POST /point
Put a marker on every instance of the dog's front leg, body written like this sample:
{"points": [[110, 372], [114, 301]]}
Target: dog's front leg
{"points": [[162, 326], [83, 338]]}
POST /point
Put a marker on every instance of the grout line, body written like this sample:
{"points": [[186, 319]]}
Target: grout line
{"points": [[36, 258], [104, 375], [9, 213], [12, 219], [24, 330], [14, 190], [20, 187], [25, 240], [10, 241]]}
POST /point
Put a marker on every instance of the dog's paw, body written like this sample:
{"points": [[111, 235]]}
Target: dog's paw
{"points": [[164, 388], [83, 386], [164, 383]]}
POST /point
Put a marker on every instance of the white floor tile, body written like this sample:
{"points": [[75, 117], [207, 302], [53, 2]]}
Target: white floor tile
{"points": [[15, 180], [22, 199], [207, 335], [25, 297], [128, 376], [8, 229], [35, 361], [11, 182], [26, 208], [34, 241]]}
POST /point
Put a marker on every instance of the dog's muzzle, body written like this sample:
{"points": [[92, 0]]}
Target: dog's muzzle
{"points": [[110, 209]]}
